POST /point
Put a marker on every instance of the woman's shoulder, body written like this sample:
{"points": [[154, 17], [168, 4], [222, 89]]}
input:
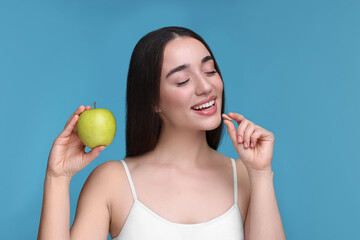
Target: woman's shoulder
{"points": [[239, 164], [106, 177], [242, 173], [240, 167], [243, 185], [107, 170], [106, 192]]}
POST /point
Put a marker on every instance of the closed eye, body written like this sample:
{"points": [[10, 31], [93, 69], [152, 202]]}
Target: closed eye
{"points": [[211, 73], [182, 83]]}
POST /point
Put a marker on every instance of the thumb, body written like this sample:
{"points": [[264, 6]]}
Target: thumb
{"points": [[94, 153], [232, 132]]}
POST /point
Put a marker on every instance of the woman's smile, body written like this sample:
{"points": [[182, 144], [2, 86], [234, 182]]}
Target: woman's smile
{"points": [[210, 109], [206, 107], [208, 102]]}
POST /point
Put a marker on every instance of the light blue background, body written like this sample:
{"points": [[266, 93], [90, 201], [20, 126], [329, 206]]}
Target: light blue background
{"points": [[292, 67]]}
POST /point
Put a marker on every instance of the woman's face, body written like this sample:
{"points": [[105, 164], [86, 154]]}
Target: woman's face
{"points": [[190, 87]]}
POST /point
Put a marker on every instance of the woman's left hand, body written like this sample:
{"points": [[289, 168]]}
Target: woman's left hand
{"points": [[254, 144]]}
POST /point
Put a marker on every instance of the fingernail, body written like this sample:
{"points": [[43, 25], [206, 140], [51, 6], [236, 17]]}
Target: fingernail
{"points": [[245, 144], [252, 144], [239, 139]]}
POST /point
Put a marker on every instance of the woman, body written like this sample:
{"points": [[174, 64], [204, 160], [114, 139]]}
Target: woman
{"points": [[173, 184]]}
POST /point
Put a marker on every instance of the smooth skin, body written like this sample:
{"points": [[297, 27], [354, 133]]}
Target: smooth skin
{"points": [[182, 179], [254, 146]]}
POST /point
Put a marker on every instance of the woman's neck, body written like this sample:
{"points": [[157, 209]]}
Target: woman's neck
{"points": [[183, 148]]}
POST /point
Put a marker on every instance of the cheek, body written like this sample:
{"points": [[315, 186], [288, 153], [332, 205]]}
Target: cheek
{"points": [[220, 84], [174, 99], [219, 88]]}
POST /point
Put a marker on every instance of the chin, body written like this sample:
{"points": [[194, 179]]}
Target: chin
{"points": [[215, 123]]}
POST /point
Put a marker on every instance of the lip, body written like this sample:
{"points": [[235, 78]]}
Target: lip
{"points": [[204, 101], [207, 112]]}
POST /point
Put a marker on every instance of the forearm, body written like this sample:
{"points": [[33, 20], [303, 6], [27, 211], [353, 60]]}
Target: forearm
{"points": [[55, 215], [263, 219]]}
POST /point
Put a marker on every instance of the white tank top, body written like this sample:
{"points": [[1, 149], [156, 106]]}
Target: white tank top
{"points": [[144, 224]]}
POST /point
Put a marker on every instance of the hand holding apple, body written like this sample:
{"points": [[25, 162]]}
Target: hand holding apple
{"points": [[96, 127], [67, 155]]}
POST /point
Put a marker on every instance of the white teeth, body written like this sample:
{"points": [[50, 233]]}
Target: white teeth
{"points": [[205, 105]]}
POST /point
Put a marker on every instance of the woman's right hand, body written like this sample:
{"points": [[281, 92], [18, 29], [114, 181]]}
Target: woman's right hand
{"points": [[67, 155]]}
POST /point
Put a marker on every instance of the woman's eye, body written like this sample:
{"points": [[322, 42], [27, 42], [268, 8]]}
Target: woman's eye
{"points": [[211, 73], [182, 83]]}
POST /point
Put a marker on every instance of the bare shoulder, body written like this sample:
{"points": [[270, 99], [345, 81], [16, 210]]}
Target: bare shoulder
{"points": [[243, 176], [109, 167], [242, 173], [105, 180], [101, 189], [243, 188], [106, 184], [243, 182], [106, 175]]}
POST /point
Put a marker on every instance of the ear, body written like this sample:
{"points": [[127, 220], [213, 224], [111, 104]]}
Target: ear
{"points": [[156, 109]]}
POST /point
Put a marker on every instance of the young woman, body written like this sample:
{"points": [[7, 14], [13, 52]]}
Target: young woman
{"points": [[173, 184]]}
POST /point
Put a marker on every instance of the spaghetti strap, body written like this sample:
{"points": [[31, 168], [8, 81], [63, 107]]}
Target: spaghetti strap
{"points": [[129, 179], [235, 181]]}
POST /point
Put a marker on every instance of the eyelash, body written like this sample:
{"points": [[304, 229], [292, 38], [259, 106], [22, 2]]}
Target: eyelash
{"points": [[211, 73], [182, 83]]}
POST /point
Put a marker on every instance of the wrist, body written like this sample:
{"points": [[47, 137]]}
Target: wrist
{"points": [[263, 173], [55, 173], [58, 178]]}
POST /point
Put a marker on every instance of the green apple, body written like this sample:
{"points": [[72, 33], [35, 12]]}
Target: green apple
{"points": [[96, 127]]}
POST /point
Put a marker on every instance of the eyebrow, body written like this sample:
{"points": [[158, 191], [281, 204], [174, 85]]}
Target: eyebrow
{"points": [[207, 58], [184, 66], [177, 69]]}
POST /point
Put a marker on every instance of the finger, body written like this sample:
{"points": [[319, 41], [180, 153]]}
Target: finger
{"points": [[86, 108], [255, 136], [237, 117], [77, 112], [241, 130], [81, 109], [69, 127], [267, 135], [247, 134], [94, 153], [231, 131], [226, 117]]}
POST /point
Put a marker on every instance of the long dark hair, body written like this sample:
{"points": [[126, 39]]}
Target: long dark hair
{"points": [[143, 124]]}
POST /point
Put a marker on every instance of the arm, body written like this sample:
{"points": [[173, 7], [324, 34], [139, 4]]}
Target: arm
{"points": [[254, 146], [263, 220], [92, 217], [55, 214], [66, 158]]}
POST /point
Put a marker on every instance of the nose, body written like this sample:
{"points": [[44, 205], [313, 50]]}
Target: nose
{"points": [[202, 86]]}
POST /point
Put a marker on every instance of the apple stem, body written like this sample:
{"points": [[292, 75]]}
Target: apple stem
{"points": [[94, 105]]}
